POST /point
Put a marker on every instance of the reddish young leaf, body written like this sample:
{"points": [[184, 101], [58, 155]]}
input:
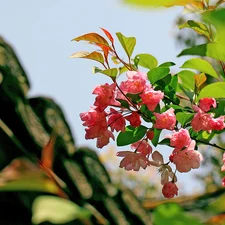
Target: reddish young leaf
{"points": [[47, 155], [96, 56], [92, 38], [110, 37]]}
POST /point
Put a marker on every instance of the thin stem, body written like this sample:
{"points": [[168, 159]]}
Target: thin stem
{"points": [[126, 97], [211, 144], [118, 118]]}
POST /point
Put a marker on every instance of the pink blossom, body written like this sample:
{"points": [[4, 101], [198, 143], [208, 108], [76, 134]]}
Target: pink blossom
{"points": [[142, 147], [187, 159], [169, 190], [166, 120], [132, 161], [135, 84], [164, 169], [218, 123], [206, 103], [202, 121], [116, 121], [180, 139], [94, 117], [103, 140], [150, 134], [223, 167], [134, 119], [105, 96], [151, 98], [223, 181]]}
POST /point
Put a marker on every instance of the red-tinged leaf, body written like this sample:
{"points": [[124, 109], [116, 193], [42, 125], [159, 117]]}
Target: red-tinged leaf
{"points": [[110, 37], [48, 152], [92, 38], [96, 56], [200, 79]]}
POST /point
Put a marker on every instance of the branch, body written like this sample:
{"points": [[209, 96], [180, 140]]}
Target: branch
{"points": [[211, 144]]}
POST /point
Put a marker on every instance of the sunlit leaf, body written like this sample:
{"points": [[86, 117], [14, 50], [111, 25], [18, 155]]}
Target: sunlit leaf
{"points": [[212, 50], [215, 90], [96, 56], [184, 117], [152, 3], [157, 74], [131, 135], [155, 140], [110, 37], [113, 72], [187, 78], [92, 38], [128, 43], [146, 60], [23, 175], [200, 79], [56, 210], [200, 65], [199, 27]]}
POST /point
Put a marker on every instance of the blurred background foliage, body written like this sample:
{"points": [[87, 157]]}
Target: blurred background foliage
{"points": [[46, 179]]}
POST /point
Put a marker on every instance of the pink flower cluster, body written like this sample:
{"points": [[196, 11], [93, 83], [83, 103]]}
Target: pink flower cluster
{"points": [[100, 123], [110, 114], [205, 121]]}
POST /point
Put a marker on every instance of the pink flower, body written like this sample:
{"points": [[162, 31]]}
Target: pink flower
{"points": [[218, 123], [150, 134], [166, 120], [187, 159], [180, 139], [103, 140], [116, 121], [223, 167], [164, 169], [151, 98], [206, 103], [169, 190], [135, 84], [105, 96], [201, 121], [132, 161], [223, 181], [94, 117], [143, 147], [134, 119]]}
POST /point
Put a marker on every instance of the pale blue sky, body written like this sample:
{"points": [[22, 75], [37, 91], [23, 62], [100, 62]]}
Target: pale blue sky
{"points": [[41, 32]]}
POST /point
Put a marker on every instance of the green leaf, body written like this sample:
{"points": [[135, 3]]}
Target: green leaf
{"points": [[147, 61], [187, 79], [157, 74], [56, 210], [165, 141], [183, 117], [190, 94], [96, 56], [212, 50], [128, 43], [167, 64], [172, 214], [124, 103], [113, 72], [215, 90], [131, 135], [200, 65], [92, 38], [155, 140], [200, 28]]}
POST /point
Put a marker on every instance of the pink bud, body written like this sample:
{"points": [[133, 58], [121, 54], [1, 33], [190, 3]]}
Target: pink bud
{"points": [[169, 190]]}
